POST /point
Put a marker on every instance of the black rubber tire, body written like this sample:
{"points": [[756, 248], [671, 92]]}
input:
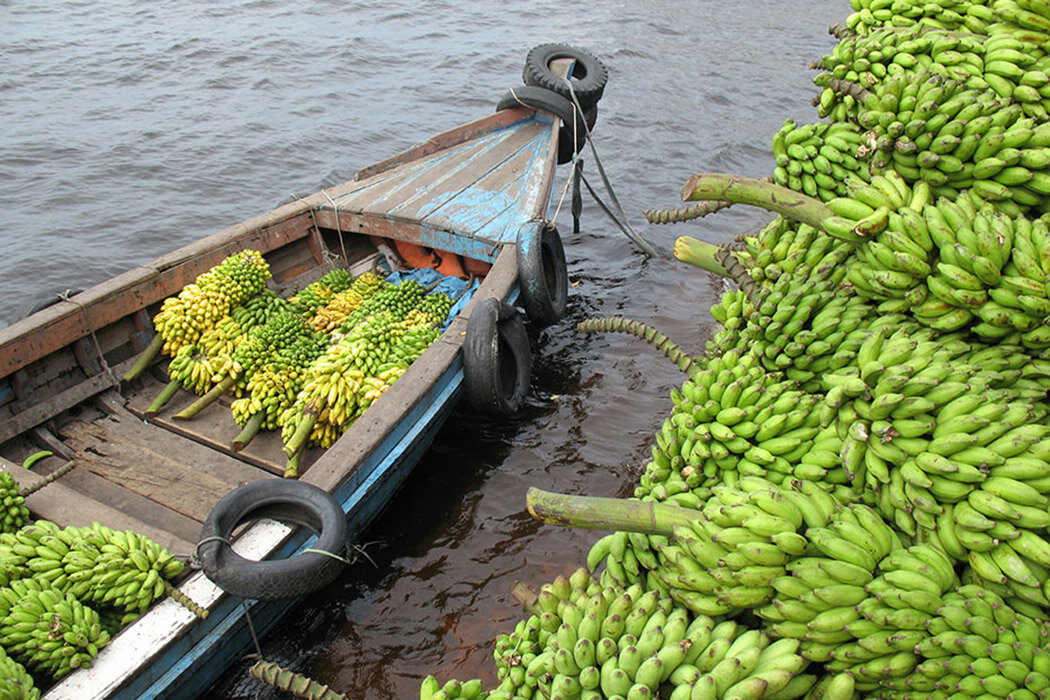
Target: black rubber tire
{"points": [[572, 122], [497, 362], [588, 77], [289, 502], [542, 275]]}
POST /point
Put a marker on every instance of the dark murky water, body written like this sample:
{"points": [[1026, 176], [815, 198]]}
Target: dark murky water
{"points": [[127, 129]]}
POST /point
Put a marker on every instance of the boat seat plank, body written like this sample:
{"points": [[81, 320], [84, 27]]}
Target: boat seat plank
{"points": [[145, 471], [228, 469], [66, 505], [466, 178], [418, 178], [494, 195]]}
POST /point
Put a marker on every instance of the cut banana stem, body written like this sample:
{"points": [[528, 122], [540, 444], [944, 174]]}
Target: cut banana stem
{"points": [[251, 429], [676, 216], [163, 397], [759, 193], [302, 430], [699, 254], [147, 356], [598, 513], [661, 342], [291, 467], [185, 601], [208, 399]]}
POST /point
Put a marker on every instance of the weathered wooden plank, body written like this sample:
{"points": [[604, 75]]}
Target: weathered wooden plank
{"points": [[67, 506], [389, 193], [450, 179], [214, 429], [220, 465], [157, 476], [45, 410], [496, 194], [447, 139]]}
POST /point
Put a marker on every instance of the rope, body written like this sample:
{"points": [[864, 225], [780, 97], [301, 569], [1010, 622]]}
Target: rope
{"points": [[623, 224], [68, 296], [197, 550], [338, 227], [251, 629], [325, 552]]}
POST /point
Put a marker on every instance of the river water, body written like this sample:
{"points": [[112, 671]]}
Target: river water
{"points": [[128, 129]]}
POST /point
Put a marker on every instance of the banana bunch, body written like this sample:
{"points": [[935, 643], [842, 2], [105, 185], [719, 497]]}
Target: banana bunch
{"points": [[345, 379], [817, 158], [317, 294], [733, 418], [284, 338], [329, 317], [15, 681], [46, 630], [270, 390], [956, 136], [740, 541], [978, 645], [631, 557], [452, 689], [15, 512], [856, 617], [395, 299], [12, 561], [106, 567], [589, 640], [203, 303], [784, 247]]}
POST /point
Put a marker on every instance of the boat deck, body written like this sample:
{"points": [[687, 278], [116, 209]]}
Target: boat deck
{"points": [[467, 197]]}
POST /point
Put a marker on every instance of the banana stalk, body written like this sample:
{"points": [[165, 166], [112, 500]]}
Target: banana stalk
{"points": [[302, 431], [699, 254], [208, 399], [295, 683], [251, 429], [53, 476], [163, 397], [598, 513], [759, 193], [147, 356]]}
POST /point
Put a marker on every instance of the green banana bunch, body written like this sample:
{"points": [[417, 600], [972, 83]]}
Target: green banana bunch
{"points": [[328, 318], [452, 689], [786, 247], [817, 158], [869, 15], [317, 294], [183, 318], [977, 643], [15, 681], [46, 630], [101, 566], [15, 512], [742, 538], [396, 299]]}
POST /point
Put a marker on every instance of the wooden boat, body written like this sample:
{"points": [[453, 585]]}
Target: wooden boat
{"points": [[480, 191]]}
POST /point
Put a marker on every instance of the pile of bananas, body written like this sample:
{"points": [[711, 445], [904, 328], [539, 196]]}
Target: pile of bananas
{"points": [[201, 304], [857, 466], [329, 317], [15, 681]]}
